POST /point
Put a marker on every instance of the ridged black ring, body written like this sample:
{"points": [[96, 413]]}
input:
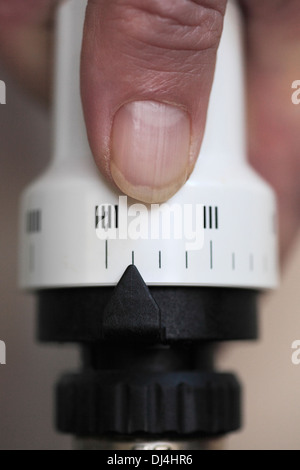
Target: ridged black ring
{"points": [[182, 403]]}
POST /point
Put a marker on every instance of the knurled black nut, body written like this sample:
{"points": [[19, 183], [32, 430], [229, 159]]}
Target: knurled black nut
{"points": [[183, 403]]}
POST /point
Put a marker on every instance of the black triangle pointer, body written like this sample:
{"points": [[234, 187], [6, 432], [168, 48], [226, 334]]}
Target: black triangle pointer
{"points": [[132, 312]]}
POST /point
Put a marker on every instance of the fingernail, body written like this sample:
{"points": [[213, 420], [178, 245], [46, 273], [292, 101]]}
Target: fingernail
{"points": [[150, 150]]}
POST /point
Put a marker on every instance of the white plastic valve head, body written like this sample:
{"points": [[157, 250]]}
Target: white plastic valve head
{"points": [[75, 231]]}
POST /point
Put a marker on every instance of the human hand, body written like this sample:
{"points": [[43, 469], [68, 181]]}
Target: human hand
{"points": [[152, 61]]}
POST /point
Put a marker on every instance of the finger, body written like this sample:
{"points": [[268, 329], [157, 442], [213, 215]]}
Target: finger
{"points": [[147, 71], [273, 64], [26, 42]]}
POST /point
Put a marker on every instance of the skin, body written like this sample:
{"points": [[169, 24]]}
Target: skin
{"points": [[166, 53]]}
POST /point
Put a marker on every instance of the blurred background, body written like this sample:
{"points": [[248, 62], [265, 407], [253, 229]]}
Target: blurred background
{"points": [[271, 382]]}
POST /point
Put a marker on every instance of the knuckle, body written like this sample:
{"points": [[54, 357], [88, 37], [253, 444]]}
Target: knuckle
{"points": [[191, 25]]}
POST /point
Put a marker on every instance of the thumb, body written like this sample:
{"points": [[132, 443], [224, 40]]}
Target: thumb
{"points": [[147, 71]]}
